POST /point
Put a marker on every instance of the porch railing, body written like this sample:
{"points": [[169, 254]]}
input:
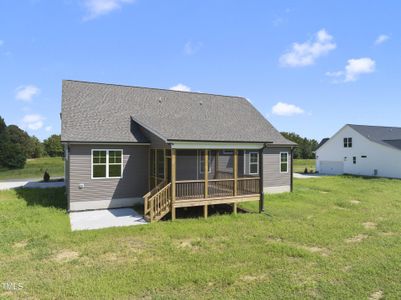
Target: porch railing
{"points": [[195, 189]]}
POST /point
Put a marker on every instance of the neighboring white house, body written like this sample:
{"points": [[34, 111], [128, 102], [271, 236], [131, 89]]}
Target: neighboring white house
{"points": [[361, 150]]}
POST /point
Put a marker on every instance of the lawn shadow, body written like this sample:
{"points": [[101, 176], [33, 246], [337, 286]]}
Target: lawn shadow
{"points": [[51, 197], [197, 211]]}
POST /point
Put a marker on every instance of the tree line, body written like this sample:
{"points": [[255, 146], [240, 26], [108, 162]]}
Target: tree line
{"points": [[306, 147], [16, 146]]}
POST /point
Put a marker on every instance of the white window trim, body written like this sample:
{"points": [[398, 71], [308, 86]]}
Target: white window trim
{"points": [[279, 159], [107, 164], [209, 165], [257, 162]]}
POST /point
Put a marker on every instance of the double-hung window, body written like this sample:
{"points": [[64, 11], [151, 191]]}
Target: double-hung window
{"points": [[283, 162], [348, 142], [253, 163], [107, 163]]}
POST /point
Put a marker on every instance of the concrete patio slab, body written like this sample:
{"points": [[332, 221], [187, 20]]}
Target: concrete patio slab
{"points": [[29, 184], [96, 219]]}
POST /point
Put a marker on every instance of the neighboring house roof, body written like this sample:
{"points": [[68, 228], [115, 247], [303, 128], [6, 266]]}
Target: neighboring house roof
{"points": [[97, 112], [322, 142], [388, 136]]}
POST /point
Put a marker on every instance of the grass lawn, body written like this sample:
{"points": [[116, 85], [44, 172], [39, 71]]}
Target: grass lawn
{"points": [[334, 237], [34, 168], [301, 164]]}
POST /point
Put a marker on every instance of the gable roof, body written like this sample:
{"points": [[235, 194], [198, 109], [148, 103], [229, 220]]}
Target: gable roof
{"points": [[322, 142], [97, 112], [388, 136]]}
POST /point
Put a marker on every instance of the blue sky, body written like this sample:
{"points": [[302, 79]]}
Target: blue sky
{"points": [[308, 66]]}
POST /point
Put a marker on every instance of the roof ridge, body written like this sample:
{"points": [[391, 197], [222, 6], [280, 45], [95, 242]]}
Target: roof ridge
{"points": [[153, 88]]}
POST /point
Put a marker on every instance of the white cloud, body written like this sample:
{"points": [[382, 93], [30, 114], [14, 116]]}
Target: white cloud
{"points": [[191, 48], [48, 128], [305, 54], [27, 92], [33, 121], [181, 87], [98, 8], [354, 68], [381, 39], [287, 110]]}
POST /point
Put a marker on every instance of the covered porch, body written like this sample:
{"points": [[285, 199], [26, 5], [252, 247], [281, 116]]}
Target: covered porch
{"points": [[178, 179]]}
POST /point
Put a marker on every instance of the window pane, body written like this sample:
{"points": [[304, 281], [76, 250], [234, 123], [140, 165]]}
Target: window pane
{"points": [[99, 171], [99, 157], [115, 157], [115, 171], [254, 157], [284, 167], [253, 168], [284, 157]]}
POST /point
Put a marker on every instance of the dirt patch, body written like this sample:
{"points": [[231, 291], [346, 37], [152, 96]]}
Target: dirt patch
{"points": [[66, 256], [347, 269], [376, 295], [251, 278], [357, 239], [389, 233], [20, 244], [319, 250], [369, 225], [355, 202], [324, 192], [190, 244]]}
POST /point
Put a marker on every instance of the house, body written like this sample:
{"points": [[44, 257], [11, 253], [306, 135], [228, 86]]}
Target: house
{"points": [[167, 149], [361, 150]]}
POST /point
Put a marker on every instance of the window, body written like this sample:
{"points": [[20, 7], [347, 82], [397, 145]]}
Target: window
{"points": [[253, 163], [283, 162], [363, 156], [348, 142], [107, 163], [354, 160], [201, 155]]}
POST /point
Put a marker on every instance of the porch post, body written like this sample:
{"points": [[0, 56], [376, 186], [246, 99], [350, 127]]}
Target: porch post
{"points": [[206, 172], [155, 167], [165, 165], [262, 194], [173, 186], [235, 172]]}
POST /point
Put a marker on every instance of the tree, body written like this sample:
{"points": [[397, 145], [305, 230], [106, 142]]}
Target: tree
{"points": [[20, 137], [53, 146], [3, 125], [37, 148], [306, 147], [12, 154]]}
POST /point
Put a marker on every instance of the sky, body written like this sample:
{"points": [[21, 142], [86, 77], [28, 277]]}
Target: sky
{"points": [[308, 66]]}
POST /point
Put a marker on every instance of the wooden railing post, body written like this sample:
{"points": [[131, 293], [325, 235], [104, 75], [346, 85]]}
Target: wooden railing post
{"points": [[155, 170], [235, 172], [206, 173], [173, 184]]}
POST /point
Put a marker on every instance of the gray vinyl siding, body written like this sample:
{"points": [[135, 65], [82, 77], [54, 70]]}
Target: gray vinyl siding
{"points": [[134, 182], [271, 168]]}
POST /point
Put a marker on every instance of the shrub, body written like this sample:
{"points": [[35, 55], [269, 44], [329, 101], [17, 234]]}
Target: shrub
{"points": [[306, 171], [46, 176]]}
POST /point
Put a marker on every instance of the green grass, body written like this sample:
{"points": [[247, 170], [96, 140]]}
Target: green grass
{"points": [[334, 237], [301, 164], [35, 168]]}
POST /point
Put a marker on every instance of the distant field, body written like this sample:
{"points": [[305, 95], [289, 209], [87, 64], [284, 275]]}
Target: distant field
{"points": [[301, 164], [35, 168]]}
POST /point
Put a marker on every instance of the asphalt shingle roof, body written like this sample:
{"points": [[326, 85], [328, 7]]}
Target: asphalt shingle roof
{"points": [[388, 136], [97, 112]]}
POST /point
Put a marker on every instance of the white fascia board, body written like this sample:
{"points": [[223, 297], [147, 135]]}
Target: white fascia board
{"points": [[215, 145]]}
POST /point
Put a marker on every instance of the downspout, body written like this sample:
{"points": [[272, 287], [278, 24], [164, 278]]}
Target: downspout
{"points": [[262, 194], [292, 169]]}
